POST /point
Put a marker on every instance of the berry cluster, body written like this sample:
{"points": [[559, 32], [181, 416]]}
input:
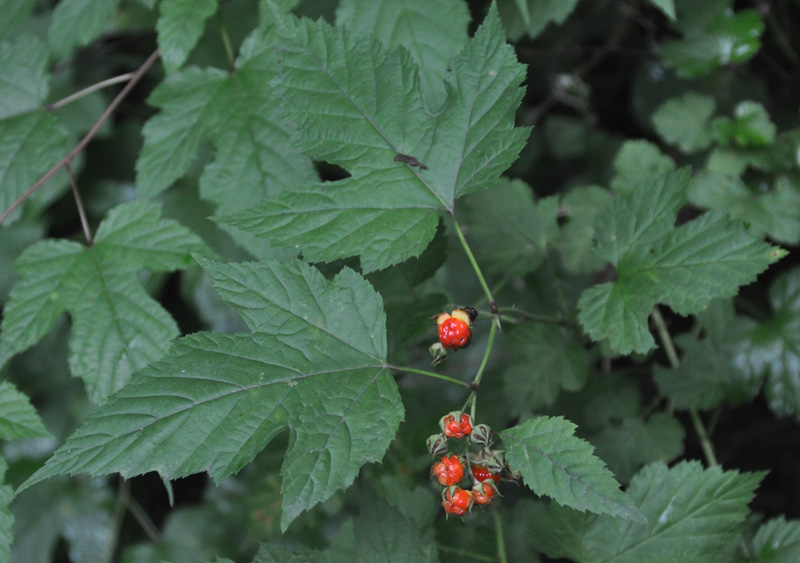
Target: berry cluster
{"points": [[455, 331], [479, 470]]}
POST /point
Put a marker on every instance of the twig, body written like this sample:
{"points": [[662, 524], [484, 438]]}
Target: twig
{"points": [[88, 137], [88, 90]]}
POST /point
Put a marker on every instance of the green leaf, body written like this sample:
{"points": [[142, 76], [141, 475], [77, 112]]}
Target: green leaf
{"points": [[315, 364], [638, 162], [555, 463], [18, 419], [684, 121], [432, 32], [78, 512], [24, 82], [692, 515], [179, 27], [634, 442], [388, 210], [77, 22], [548, 359], [117, 328], [774, 349], [239, 114], [709, 372], [778, 541], [542, 12], [382, 533], [6, 516], [510, 233], [666, 6], [558, 531], [29, 146], [580, 208], [750, 127], [684, 267], [775, 212], [728, 38], [15, 12]]}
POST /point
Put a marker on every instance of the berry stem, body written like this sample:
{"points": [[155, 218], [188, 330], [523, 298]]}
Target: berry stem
{"points": [[430, 374], [471, 258]]}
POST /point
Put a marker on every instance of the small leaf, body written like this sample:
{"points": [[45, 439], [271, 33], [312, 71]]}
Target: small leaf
{"points": [[18, 419], [382, 533], [179, 27], [78, 22], [548, 359], [666, 6], [555, 463], [638, 162], [276, 553], [542, 12], [778, 541], [684, 121], [217, 400], [30, 145], [509, 231], [751, 127], [24, 82], [774, 349]]}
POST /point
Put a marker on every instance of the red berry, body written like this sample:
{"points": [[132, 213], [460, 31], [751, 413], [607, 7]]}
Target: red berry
{"points": [[454, 333], [483, 493], [456, 429], [481, 474], [448, 471], [458, 502]]}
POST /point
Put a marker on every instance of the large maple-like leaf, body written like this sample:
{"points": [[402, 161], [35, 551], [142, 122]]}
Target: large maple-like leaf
{"points": [[117, 327], [314, 363], [360, 107]]}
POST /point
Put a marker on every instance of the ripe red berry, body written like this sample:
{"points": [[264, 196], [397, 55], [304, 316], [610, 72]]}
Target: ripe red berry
{"points": [[458, 502], [454, 333], [483, 493], [453, 428], [448, 471], [481, 474]]}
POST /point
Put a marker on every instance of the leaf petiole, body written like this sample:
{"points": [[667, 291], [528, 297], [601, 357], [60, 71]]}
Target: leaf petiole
{"points": [[430, 374], [471, 258]]}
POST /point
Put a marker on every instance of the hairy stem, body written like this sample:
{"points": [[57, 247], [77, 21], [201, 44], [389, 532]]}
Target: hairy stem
{"points": [[88, 137], [672, 355], [498, 531], [474, 263]]}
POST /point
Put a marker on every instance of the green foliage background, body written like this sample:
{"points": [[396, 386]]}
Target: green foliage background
{"points": [[216, 310]]}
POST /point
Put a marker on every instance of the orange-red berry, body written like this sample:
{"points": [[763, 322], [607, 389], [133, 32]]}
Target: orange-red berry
{"points": [[448, 471], [458, 502]]}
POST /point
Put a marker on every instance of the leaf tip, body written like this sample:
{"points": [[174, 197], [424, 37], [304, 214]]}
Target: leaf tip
{"points": [[776, 253]]}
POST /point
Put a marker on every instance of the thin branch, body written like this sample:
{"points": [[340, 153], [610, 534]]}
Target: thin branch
{"points": [[88, 90], [88, 137], [79, 203]]}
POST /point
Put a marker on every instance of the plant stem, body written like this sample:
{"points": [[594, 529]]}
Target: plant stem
{"points": [[79, 203], [471, 258], [533, 316], [144, 521], [88, 90], [501, 544], [226, 41], [88, 137], [672, 355], [430, 374]]}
